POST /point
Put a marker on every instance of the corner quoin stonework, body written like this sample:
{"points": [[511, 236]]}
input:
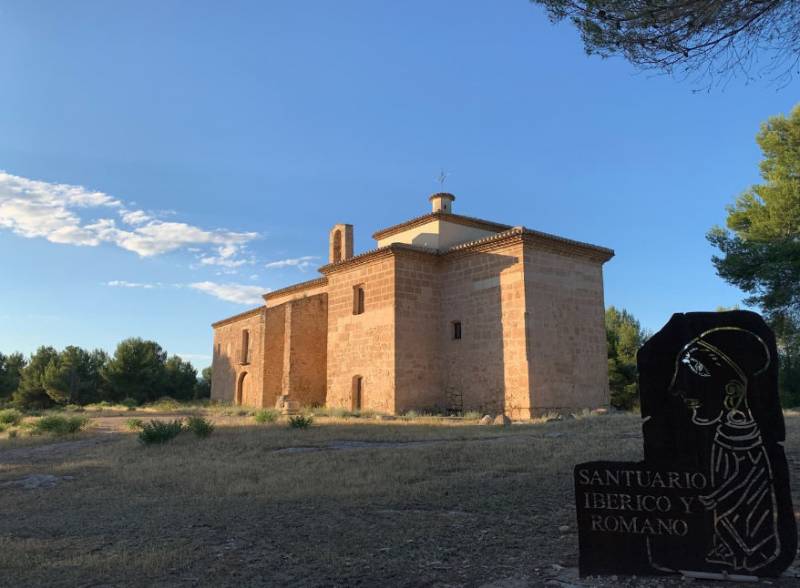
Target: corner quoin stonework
{"points": [[529, 308]]}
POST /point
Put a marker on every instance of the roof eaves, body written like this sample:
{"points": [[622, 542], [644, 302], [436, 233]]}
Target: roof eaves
{"points": [[295, 287], [236, 317]]}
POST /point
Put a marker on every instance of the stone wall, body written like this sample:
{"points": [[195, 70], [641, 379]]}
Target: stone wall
{"points": [[362, 344], [274, 339], [487, 368], [566, 331], [308, 340], [419, 329], [229, 374]]}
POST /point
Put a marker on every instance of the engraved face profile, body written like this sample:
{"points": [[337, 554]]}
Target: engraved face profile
{"points": [[712, 372]]}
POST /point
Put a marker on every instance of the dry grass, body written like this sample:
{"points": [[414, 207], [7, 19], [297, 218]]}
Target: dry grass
{"points": [[430, 501]]}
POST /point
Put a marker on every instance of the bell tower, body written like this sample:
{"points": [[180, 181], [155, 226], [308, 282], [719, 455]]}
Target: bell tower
{"points": [[341, 243], [442, 202]]}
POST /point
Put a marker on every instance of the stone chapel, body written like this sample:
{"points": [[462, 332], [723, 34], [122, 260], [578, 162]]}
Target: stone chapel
{"points": [[447, 313]]}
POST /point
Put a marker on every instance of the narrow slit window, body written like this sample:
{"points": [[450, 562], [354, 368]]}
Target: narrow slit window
{"points": [[456, 329], [358, 386], [245, 346], [358, 300]]}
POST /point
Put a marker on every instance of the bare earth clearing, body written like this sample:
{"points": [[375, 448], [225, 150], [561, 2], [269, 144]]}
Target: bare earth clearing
{"points": [[356, 502]]}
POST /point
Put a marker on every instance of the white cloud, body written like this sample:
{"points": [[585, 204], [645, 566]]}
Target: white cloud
{"points": [[226, 257], [57, 212], [238, 293], [301, 263], [135, 217], [127, 284]]}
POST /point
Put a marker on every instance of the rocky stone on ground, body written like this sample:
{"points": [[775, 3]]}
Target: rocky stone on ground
{"points": [[503, 420], [486, 420]]}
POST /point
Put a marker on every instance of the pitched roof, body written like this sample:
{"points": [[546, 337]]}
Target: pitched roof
{"points": [[561, 244], [459, 219]]}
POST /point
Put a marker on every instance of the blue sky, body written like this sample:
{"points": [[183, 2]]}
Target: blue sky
{"points": [[165, 162]]}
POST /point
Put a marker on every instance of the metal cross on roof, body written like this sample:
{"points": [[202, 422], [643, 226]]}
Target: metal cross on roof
{"points": [[443, 175]]}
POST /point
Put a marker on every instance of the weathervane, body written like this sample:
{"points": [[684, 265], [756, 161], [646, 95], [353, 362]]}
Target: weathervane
{"points": [[443, 175]]}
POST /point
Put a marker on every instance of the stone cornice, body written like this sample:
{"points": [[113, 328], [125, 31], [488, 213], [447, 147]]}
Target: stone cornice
{"points": [[458, 219], [296, 288], [237, 317]]}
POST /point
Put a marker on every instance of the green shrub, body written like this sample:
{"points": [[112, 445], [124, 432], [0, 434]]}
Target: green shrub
{"points": [[134, 424], [472, 415], [74, 408], [59, 425], [3, 427], [411, 414], [12, 434], [129, 403], [160, 431], [10, 416], [200, 426], [266, 415], [300, 421]]}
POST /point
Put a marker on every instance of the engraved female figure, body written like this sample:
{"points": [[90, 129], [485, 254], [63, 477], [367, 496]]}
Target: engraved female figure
{"points": [[714, 388]]}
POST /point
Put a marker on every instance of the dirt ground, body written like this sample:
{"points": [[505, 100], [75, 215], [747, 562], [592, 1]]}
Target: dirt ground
{"points": [[354, 502]]}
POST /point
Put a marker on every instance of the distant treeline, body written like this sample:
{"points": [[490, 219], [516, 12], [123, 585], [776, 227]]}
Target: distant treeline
{"points": [[139, 371]]}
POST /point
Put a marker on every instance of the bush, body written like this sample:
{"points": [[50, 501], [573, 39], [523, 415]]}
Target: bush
{"points": [[134, 424], [199, 426], [3, 427], [160, 431], [10, 416], [300, 421], [130, 403], [472, 415], [12, 434], [74, 408], [59, 425], [266, 415]]}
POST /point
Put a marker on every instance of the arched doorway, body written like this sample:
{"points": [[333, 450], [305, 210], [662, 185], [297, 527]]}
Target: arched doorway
{"points": [[241, 385]]}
